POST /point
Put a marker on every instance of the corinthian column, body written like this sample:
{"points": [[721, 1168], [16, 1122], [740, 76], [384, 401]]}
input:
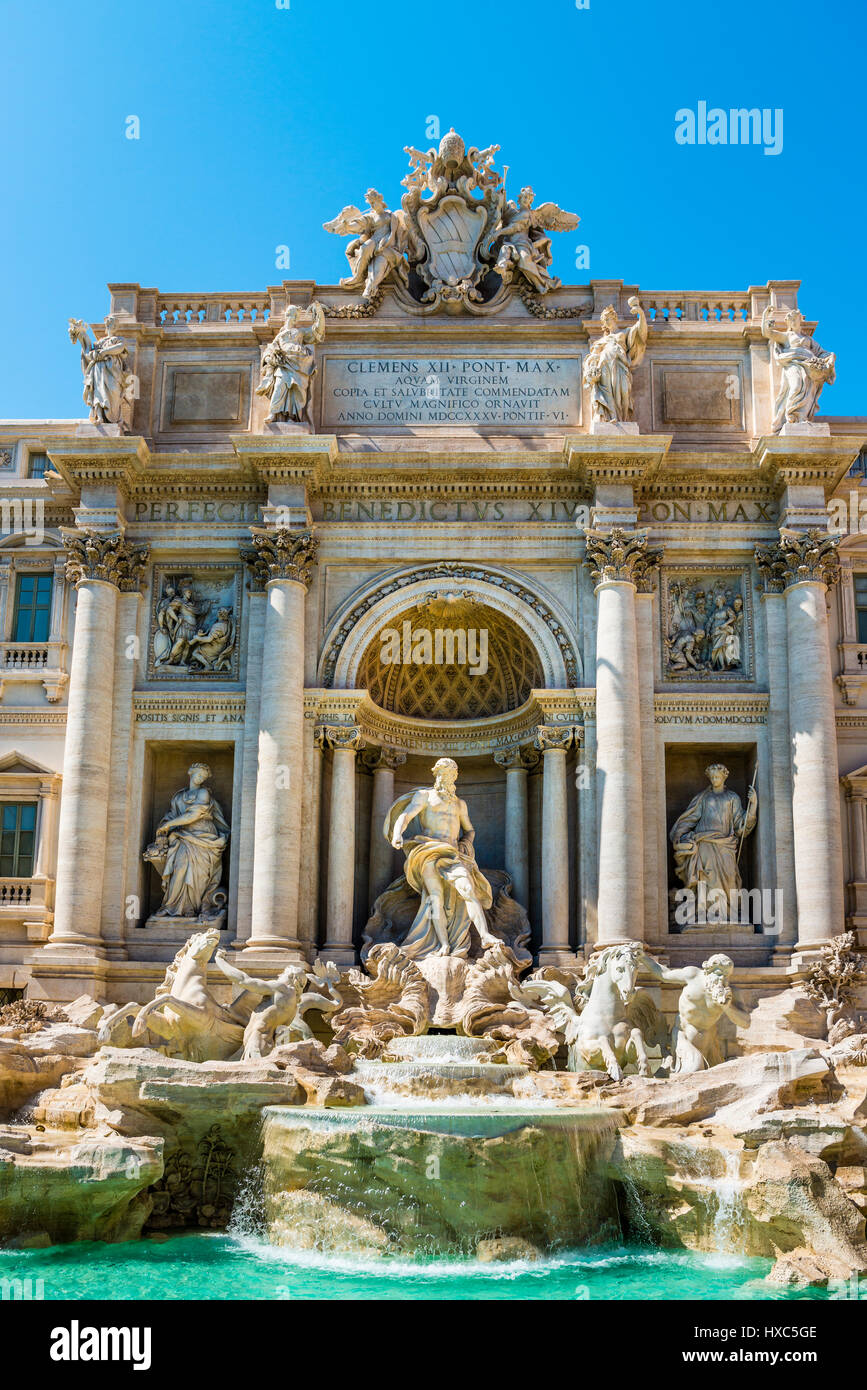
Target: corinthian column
{"points": [[281, 563], [804, 565], [383, 761], [619, 561], [517, 762], [553, 741], [100, 566], [344, 740]]}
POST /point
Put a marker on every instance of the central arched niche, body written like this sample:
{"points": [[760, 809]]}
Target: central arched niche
{"points": [[443, 691]]}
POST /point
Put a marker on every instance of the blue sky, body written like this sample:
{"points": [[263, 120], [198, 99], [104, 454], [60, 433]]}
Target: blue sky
{"points": [[257, 123]]}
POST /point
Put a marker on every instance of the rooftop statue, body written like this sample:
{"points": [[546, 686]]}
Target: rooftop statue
{"points": [[804, 367], [609, 365], [108, 382], [456, 243], [289, 363]]}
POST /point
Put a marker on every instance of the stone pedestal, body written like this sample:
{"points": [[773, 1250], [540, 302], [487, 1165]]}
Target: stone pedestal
{"points": [[281, 562]]}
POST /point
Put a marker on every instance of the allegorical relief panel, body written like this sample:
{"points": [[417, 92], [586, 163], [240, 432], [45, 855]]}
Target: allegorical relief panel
{"points": [[194, 623], [706, 624]]}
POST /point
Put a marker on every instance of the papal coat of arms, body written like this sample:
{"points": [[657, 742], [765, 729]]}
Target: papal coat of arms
{"points": [[457, 243]]}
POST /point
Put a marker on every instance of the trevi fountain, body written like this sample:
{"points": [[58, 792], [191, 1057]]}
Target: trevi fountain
{"points": [[433, 823]]}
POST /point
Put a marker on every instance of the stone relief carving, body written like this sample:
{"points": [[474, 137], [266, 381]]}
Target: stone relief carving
{"points": [[708, 839], [609, 365], [109, 385], [194, 624], [457, 243], [188, 853], [706, 625], [289, 364], [804, 367]]}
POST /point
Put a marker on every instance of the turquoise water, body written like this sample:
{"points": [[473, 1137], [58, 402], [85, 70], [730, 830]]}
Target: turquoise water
{"points": [[232, 1267]]}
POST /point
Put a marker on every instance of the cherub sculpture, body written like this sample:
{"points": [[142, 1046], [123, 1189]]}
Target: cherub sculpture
{"points": [[380, 241], [108, 383], [289, 363], [524, 251]]}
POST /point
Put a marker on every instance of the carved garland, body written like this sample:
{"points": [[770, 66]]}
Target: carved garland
{"points": [[454, 570]]}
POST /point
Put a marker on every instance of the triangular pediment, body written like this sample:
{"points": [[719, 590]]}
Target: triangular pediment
{"points": [[19, 763]]}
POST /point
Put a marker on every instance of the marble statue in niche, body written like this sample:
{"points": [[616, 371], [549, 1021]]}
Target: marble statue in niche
{"points": [[441, 868], [804, 366], [289, 364], [187, 852], [708, 839], [194, 627], [703, 633], [108, 383], [609, 365]]}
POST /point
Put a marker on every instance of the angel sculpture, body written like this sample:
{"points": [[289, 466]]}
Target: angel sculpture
{"points": [[109, 386], [615, 1024], [289, 364], [524, 249], [380, 240]]}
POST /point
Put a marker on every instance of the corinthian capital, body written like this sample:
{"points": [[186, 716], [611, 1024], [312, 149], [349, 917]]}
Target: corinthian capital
{"points": [[622, 556], [339, 736], [281, 554], [383, 757], [522, 757], [106, 556], [799, 557], [553, 736]]}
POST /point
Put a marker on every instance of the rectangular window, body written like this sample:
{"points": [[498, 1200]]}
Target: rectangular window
{"points": [[36, 465], [17, 838], [32, 608], [861, 606]]}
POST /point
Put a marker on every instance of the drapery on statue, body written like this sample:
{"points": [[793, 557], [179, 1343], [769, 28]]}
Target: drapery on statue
{"points": [[379, 242], [441, 867], [804, 365], [708, 836], [188, 851], [609, 364], [108, 383], [289, 363]]}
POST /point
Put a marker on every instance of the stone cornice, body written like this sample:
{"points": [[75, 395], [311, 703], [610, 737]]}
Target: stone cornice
{"points": [[806, 461]]}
